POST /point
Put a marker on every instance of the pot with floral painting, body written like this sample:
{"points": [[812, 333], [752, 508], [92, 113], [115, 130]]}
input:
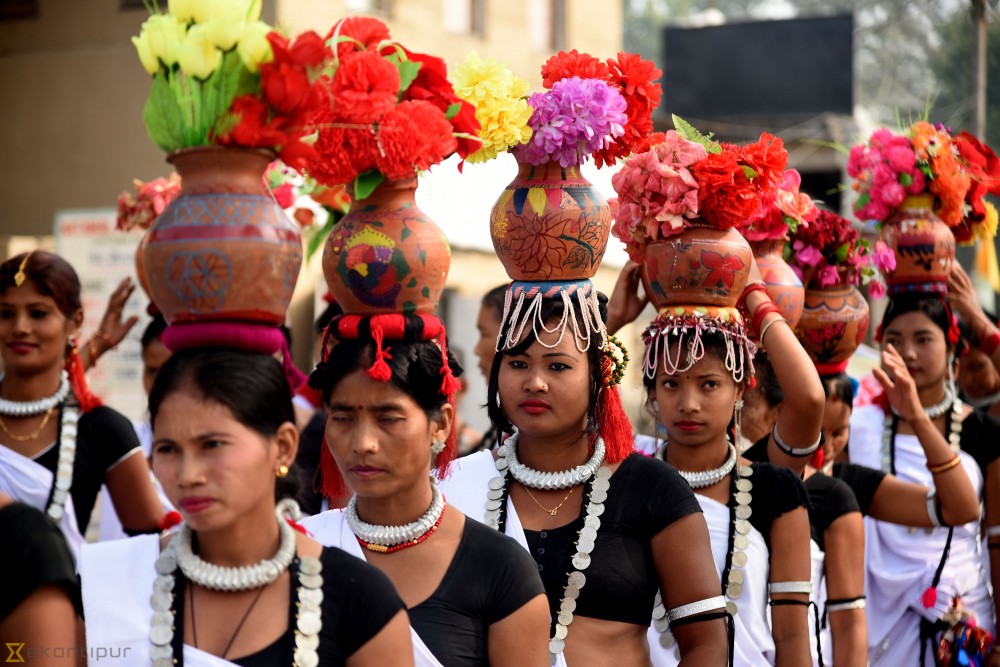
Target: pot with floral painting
{"points": [[550, 224], [834, 261], [925, 190], [767, 230], [682, 227]]}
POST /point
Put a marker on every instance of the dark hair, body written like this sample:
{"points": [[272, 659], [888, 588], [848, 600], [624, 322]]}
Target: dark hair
{"points": [[154, 330], [323, 321], [415, 365], [551, 308], [931, 305], [495, 299], [253, 387], [767, 381], [839, 386], [51, 275]]}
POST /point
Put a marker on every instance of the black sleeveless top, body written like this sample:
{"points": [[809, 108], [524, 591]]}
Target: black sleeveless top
{"points": [[104, 437], [645, 497], [358, 601], [489, 578]]}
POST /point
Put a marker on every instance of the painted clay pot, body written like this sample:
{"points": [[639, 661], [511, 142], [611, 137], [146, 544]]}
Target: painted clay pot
{"points": [[140, 267], [386, 255], [550, 224], [223, 250], [834, 323], [923, 244], [701, 266], [783, 285]]}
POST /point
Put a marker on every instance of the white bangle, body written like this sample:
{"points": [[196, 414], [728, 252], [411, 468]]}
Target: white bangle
{"points": [[795, 451], [697, 607], [932, 508], [857, 603], [790, 587], [993, 531], [763, 330]]}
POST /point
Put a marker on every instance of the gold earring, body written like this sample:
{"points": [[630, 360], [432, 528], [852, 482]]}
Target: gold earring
{"points": [[282, 471]]}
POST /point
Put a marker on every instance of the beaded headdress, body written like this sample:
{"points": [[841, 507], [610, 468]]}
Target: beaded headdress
{"points": [[675, 340]]}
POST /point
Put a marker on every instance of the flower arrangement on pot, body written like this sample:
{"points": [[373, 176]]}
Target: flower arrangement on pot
{"points": [[140, 209], [780, 213], [925, 189], [315, 207], [550, 223], [680, 203], [833, 262]]}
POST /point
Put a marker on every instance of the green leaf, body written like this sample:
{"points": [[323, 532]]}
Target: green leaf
{"points": [[408, 70], [222, 87], [691, 133], [162, 115], [840, 254], [453, 110], [366, 183], [906, 180], [863, 201], [749, 172]]}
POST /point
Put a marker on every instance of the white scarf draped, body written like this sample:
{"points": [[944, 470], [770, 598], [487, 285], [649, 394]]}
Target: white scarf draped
{"points": [[754, 646], [29, 482], [900, 562]]}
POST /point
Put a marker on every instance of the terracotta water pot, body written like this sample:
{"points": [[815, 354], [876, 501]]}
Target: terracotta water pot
{"points": [[550, 224], [140, 267], [386, 255], [923, 244], [700, 266], [223, 250], [783, 285], [834, 323]]}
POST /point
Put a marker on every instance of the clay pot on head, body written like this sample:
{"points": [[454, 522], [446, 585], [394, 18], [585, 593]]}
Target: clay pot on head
{"points": [[386, 255], [834, 323], [701, 265], [550, 224], [223, 250], [923, 244], [783, 285]]}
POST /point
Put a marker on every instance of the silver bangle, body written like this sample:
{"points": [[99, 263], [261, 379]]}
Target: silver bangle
{"points": [[932, 509], [795, 451], [763, 329], [858, 603], [698, 607], [993, 531], [790, 587]]}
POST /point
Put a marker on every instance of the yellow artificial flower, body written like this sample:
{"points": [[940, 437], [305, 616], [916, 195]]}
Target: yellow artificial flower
{"points": [[501, 109], [253, 46], [149, 61], [183, 10], [987, 229], [204, 11], [165, 35], [225, 28], [198, 56]]}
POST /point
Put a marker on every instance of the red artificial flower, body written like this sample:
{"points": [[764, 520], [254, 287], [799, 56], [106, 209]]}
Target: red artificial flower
{"points": [[341, 153], [364, 33], [768, 157], [635, 78], [296, 153], [566, 64], [984, 169], [364, 88], [286, 87], [253, 128], [432, 85], [726, 196], [413, 136], [284, 194], [308, 50]]}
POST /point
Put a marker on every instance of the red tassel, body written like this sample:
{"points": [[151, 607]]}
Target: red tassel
{"points": [[334, 488], [929, 598], [380, 369], [78, 380], [616, 429], [449, 383], [299, 527], [169, 520], [295, 377], [817, 459]]}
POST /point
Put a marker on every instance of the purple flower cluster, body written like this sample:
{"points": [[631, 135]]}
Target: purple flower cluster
{"points": [[572, 120]]}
